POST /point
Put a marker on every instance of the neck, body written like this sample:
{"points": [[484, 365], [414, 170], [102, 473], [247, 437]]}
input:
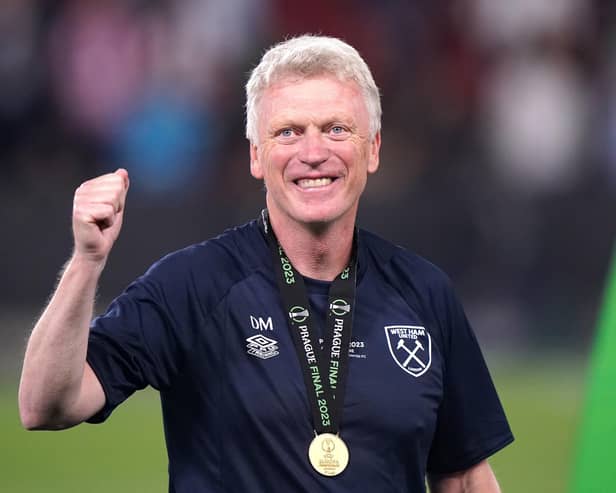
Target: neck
{"points": [[316, 251]]}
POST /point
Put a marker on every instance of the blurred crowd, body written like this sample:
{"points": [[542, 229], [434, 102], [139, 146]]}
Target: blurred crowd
{"points": [[499, 139]]}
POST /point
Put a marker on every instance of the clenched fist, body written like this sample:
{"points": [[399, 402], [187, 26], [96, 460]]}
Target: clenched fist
{"points": [[98, 208]]}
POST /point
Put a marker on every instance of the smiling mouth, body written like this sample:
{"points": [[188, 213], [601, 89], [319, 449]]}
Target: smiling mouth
{"points": [[313, 182]]}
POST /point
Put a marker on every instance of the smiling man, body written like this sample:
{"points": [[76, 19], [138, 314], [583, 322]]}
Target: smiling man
{"points": [[296, 353]]}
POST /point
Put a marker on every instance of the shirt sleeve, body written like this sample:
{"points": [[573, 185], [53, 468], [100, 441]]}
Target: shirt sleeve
{"points": [[471, 423], [134, 344]]}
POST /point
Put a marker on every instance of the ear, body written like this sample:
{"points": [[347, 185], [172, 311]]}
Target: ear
{"points": [[255, 165], [375, 149]]}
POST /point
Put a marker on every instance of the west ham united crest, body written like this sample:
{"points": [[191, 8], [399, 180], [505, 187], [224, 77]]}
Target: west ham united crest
{"points": [[411, 348]]}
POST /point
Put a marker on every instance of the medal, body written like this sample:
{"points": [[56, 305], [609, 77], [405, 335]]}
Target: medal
{"points": [[325, 370], [328, 454]]}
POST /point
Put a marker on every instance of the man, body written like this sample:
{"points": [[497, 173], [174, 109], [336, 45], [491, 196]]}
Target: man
{"points": [[295, 353]]}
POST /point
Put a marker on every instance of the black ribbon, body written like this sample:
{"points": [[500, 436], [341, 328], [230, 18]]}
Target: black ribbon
{"points": [[325, 370]]}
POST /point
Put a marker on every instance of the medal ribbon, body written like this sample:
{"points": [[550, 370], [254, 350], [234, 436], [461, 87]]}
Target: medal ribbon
{"points": [[324, 370]]}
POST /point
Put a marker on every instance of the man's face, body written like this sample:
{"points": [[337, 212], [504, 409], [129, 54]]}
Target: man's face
{"points": [[314, 150]]}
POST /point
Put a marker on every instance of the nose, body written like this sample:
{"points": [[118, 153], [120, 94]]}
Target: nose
{"points": [[313, 148]]}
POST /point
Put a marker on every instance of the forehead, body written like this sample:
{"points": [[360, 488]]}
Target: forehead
{"points": [[317, 97]]}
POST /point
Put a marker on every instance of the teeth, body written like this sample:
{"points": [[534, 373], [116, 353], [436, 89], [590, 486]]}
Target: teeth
{"points": [[314, 182]]}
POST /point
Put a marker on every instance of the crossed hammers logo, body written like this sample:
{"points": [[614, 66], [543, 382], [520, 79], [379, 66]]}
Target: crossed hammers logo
{"points": [[411, 352]]}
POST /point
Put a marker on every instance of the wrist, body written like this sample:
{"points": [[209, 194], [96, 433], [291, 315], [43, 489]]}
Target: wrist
{"points": [[87, 264]]}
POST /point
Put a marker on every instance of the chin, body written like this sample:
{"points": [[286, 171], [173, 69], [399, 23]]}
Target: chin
{"points": [[319, 215], [313, 212]]}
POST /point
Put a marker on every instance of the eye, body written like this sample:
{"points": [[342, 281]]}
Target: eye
{"points": [[338, 131], [286, 132]]}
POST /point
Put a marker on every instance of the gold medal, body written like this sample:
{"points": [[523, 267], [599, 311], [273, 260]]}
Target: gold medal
{"points": [[328, 454]]}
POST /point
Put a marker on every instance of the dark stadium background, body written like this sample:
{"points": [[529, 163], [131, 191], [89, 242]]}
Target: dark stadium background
{"points": [[498, 164]]}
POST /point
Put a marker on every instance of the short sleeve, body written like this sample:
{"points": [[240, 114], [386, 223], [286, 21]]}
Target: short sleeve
{"points": [[471, 423], [133, 344]]}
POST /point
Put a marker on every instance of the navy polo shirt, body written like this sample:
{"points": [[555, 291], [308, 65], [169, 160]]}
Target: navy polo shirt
{"points": [[205, 326]]}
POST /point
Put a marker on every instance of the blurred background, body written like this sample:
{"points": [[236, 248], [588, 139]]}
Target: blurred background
{"points": [[498, 164]]}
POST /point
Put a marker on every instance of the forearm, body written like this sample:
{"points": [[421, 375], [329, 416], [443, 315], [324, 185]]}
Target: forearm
{"points": [[478, 479], [55, 357]]}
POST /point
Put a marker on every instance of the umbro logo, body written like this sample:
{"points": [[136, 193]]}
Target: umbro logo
{"points": [[262, 347]]}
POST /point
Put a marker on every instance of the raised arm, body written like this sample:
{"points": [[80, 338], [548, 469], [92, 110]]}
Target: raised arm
{"points": [[58, 389]]}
